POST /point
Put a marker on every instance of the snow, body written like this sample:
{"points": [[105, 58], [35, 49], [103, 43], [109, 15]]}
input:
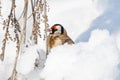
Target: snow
{"points": [[7, 66], [118, 41], [26, 63], [75, 16], [96, 59], [27, 60], [109, 20]]}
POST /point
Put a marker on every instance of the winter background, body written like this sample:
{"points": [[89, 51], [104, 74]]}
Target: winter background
{"points": [[93, 25]]}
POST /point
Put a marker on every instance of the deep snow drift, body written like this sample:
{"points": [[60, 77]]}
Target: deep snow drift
{"points": [[97, 59]]}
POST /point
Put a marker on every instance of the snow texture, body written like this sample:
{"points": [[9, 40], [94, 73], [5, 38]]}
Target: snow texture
{"points": [[97, 59]]}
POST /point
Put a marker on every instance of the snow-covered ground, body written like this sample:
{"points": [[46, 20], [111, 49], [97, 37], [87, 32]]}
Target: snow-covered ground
{"points": [[93, 25], [97, 59]]}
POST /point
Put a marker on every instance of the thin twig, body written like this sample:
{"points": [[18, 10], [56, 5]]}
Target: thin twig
{"points": [[36, 20], [22, 40], [46, 25], [7, 31]]}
